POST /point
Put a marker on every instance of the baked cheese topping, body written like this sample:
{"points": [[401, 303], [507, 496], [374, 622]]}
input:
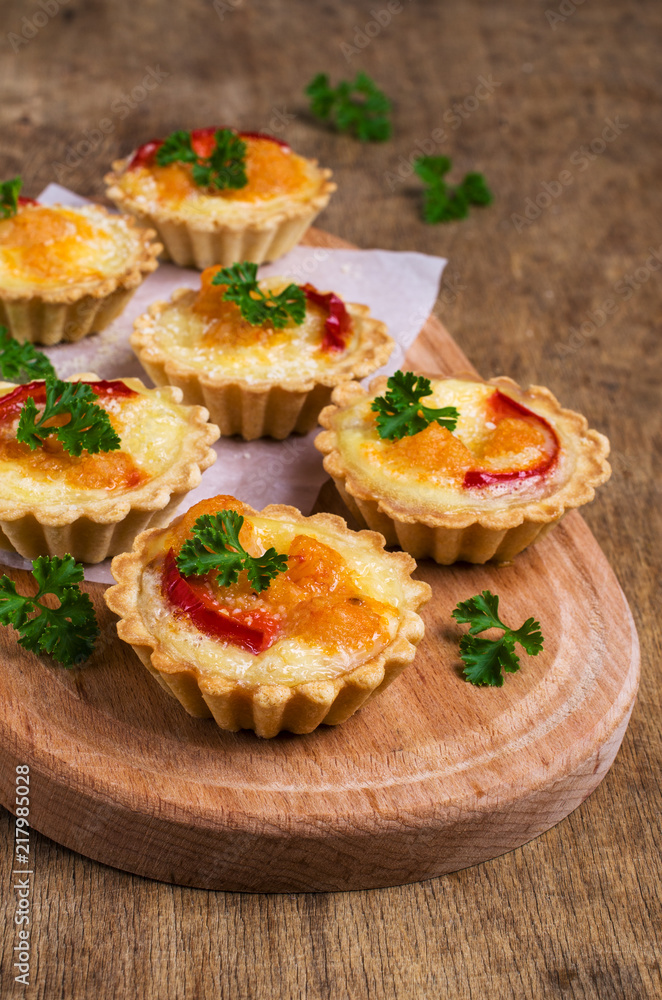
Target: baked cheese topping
{"points": [[152, 432], [276, 178], [339, 603], [48, 248], [501, 452], [202, 331]]}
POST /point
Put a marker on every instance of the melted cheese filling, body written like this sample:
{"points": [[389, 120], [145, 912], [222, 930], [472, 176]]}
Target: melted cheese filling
{"points": [[276, 178], [52, 248], [151, 431], [428, 469], [332, 621], [204, 332]]}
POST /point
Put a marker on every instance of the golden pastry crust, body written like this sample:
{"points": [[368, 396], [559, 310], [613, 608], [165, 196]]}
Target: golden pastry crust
{"points": [[67, 310], [260, 407], [460, 531], [95, 527], [254, 214], [270, 708], [220, 234]]}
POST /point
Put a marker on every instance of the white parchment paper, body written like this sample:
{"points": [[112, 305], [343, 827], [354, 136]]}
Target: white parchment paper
{"points": [[399, 288]]}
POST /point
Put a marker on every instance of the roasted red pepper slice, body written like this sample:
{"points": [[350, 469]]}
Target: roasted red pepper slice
{"points": [[192, 597], [11, 403], [144, 155], [337, 323], [202, 140], [22, 200], [262, 135], [476, 477], [502, 406]]}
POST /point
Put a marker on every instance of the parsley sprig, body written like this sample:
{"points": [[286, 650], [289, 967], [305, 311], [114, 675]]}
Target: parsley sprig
{"points": [[444, 203], [88, 427], [485, 659], [21, 362], [258, 307], [401, 412], [357, 107], [67, 632], [215, 545], [9, 192], [225, 167]]}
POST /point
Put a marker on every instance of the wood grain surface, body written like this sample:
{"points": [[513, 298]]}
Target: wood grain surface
{"points": [[432, 777], [571, 300]]}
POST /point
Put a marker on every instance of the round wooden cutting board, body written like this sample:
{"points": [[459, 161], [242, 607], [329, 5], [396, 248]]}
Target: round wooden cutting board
{"points": [[432, 776]]}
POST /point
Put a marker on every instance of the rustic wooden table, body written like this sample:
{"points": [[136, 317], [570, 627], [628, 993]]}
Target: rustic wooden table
{"points": [[559, 104]]}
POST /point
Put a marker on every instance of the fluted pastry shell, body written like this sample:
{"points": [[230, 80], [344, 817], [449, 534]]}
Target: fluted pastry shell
{"points": [[269, 708], [93, 529], [201, 241], [73, 310], [266, 407], [460, 533]]}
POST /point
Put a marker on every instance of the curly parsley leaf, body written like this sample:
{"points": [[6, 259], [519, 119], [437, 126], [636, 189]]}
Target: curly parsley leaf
{"points": [[67, 632], [215, 545], [225, 167], [176, 148], [400, 411], [322, 96], [257, 307], [359, 107], [88, 427], [9, 192], [481, 612], [443, 203], [21, 362], [485, 659], [432, 169], [476, 190], [52, 574], [14, 608], [72, 629]]}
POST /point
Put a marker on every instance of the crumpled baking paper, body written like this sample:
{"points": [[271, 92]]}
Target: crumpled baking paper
{"points": [[399, 288]]}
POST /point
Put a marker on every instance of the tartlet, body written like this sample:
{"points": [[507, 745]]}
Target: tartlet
{"points": [[514, 464], [328, 634], [200, 226], [66, 272], [257, 381], [93, 505]]}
